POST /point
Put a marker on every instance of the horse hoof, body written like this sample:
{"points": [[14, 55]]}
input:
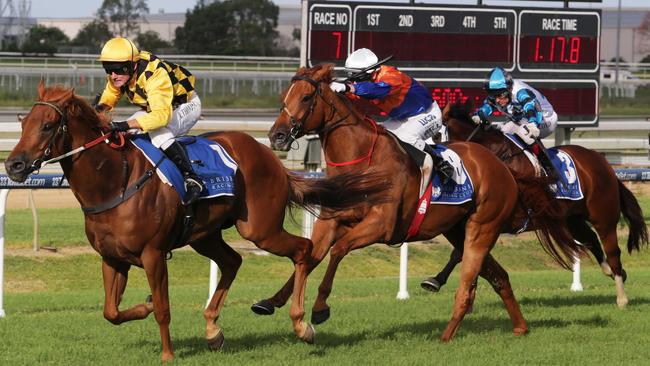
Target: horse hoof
{"points": [[319, 317], [263, 307], [215, 343], [431, 284], [310, 334], [520, 331], [622, 302]]}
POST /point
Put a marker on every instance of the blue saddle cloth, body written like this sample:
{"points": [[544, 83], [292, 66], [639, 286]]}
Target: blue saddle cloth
{"points": [[568, 185], [210, 161], [457, 190]]}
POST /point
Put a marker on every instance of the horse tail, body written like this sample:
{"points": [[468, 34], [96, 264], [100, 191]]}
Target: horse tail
{"points": [[549, 220], [338, 192], [634, 217]]}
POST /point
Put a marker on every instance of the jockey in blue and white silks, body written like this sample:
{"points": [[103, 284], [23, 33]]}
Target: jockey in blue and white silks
{"points": [[530, 115], [414, 115]]}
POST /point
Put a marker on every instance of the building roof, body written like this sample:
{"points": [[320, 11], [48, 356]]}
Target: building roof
{"points": [[630, 18]]}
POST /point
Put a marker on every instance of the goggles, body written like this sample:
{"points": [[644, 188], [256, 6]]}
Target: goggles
{"points": [[499, 93], [119, 68]]}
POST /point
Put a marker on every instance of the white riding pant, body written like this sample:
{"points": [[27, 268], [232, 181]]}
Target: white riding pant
{"points": [[416, 129], [183, 119]]}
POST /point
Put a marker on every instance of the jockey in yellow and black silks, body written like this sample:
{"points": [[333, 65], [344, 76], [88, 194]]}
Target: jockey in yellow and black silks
{"points": [[164, 91]]}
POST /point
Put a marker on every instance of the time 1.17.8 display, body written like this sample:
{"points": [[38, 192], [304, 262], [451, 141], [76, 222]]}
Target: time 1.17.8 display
{"points": [[558, 41]]}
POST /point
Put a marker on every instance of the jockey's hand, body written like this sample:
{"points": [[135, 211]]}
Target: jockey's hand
{"points": [[528, 133], [480, 121], [119, 126], [339, 87]]}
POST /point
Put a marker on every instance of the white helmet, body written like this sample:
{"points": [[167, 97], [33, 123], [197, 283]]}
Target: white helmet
{"points": [[359, 60]]}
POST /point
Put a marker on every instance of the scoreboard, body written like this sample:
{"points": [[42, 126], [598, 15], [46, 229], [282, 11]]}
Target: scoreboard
{"points": [[451, 48]]}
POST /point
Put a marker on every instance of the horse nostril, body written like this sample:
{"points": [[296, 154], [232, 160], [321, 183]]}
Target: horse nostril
{"points": [[17, 167]]}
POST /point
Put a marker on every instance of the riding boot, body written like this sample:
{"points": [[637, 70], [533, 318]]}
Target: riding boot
{"points": [[547, 165], [193, 184], [440, 164]]}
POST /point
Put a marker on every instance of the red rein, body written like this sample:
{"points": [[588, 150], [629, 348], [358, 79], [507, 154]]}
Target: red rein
{"points": [[367, 156]]}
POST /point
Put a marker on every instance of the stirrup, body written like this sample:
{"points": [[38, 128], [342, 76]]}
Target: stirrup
{"points": [[189, 181]]}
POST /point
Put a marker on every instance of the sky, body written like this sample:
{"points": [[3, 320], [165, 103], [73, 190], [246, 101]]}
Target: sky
{"points": [[84, 8]]}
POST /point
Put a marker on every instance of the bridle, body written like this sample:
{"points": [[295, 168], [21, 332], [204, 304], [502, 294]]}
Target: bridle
{"points": [[45, 158], [297, 125]]}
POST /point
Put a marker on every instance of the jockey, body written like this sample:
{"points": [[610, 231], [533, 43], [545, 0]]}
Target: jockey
{"points": [[414, 115], [164, 91], [530, 115]]}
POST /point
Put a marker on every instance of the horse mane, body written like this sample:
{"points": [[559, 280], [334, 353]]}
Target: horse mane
{"points": [[459, 111], [72, 105], [319, 73]]}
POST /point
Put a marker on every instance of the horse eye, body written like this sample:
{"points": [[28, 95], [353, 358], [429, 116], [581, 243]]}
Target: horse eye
{"points": [[306, 98], [47, 127]]}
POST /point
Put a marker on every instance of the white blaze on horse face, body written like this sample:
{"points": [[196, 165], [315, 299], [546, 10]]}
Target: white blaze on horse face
{"points": [[284, 102]]}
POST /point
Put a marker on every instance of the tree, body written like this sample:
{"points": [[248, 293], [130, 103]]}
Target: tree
{"points": [[151, 41], [93, 35], [241, 27], [645, 60], [123, 15], [42, 39], [644, 32]]}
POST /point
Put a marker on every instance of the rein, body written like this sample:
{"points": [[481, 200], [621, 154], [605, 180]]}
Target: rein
{"points": [[125, 193], [297, 125], [63, 130]]}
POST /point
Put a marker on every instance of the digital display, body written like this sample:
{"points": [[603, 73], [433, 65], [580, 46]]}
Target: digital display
{"points": [[451, 48], [559, 41], [422, 50], [574, 102]]}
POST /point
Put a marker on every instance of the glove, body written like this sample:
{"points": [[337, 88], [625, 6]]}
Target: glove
{"points": [[528, 133], [480, 121], [119, 126], [339, 87]]}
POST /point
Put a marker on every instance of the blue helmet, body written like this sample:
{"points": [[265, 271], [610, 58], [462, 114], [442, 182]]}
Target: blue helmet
{"points": [[498, 82]]}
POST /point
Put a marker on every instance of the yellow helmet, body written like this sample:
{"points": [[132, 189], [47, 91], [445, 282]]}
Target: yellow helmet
{"points": [[119, 49]]}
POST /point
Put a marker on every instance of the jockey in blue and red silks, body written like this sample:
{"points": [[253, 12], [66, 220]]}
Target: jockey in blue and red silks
{"points": [[413, 114], [530, 115]]}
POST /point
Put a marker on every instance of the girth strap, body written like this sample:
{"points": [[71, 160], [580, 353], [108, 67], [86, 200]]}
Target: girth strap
{"points": [[126, 194]]}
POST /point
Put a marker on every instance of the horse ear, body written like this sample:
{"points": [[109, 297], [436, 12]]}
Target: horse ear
{"points": [[20, 117], [445, 112], [41, 89]]}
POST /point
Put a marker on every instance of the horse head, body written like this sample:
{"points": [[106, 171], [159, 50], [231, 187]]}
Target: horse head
{"points": [[57, 121], [305, 106]]}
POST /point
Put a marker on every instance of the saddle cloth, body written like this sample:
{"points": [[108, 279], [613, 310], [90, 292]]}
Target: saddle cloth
{"points": [[209, 160], [457, 190], [568, 185]]}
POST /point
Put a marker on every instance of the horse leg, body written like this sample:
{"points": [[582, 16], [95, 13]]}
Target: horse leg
{"points": [[229, 262], [322, 239], [115, 277], [613, 252], [360, 237], [153, 261], [300, 252], [435, 283], [478, 242], [583, 233], [498, 278]]}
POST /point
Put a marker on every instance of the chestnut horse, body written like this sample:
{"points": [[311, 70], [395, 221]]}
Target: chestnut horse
{"points": [[143, 228], [353, 144], [605, 197]]}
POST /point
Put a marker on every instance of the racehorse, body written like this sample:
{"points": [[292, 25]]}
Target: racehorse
{"points": [[141, 229], [352, 143], [605, 198]]}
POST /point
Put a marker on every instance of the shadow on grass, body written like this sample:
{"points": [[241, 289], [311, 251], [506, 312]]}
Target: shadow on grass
{"points": [[326, 340], [564, 301]]}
